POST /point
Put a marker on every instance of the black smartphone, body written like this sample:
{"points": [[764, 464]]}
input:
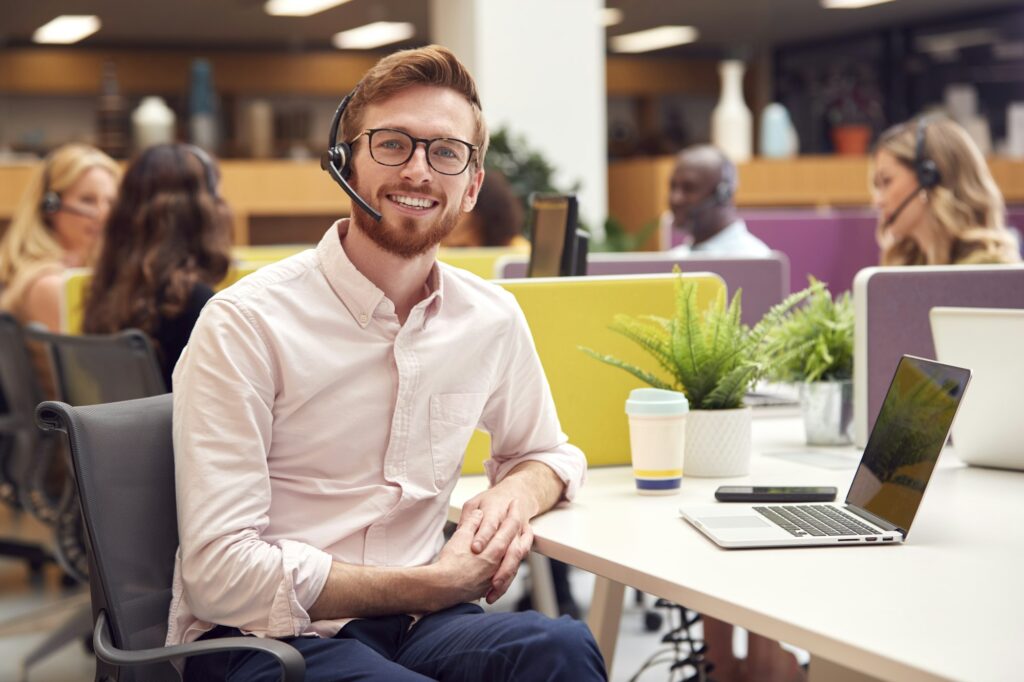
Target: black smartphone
{"points": [[756, 493]]}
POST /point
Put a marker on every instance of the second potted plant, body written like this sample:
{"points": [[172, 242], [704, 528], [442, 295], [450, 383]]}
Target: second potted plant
{"points": [[824, 326], [714, 359]]}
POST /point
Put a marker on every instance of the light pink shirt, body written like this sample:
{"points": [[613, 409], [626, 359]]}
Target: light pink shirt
{"points": [[309, 425]]}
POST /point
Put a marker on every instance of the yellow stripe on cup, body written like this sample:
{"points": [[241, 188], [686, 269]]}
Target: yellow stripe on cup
{"points": [[657, 473]]}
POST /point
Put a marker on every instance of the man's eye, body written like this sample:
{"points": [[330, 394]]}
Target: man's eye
{"points": [[445, 151]]}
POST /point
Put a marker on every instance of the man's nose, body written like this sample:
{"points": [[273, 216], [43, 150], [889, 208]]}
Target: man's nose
{"points": [[417, 168]]}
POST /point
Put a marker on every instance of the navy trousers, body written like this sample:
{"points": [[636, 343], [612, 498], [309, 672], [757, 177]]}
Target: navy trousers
{"points": [[458, 644]]}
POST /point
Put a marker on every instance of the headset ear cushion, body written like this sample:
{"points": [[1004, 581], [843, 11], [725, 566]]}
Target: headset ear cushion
{"points": [[723, 192], [928, 175], [51, 202], [344, 159]]}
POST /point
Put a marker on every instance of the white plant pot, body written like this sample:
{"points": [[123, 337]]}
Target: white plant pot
{"points": [[717, 443]]}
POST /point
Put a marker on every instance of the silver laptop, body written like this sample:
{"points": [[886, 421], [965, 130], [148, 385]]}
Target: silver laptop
{"points": [[989, 430], [911, 429]]}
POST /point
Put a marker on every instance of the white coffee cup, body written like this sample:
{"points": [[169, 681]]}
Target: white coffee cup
{"points": [[657, 434]]}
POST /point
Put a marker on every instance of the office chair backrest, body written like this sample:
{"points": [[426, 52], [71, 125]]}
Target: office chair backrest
{"points": [[102, 368], [19, 395], [88, 370], [124, 468]]}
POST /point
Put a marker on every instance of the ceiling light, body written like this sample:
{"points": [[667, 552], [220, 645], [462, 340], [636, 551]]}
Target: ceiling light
{"points": [[299, 8], [373, 35], [654, 39], [850, 4], [610, 16], [67, 28]]}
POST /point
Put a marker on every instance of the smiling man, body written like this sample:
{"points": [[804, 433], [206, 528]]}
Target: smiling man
{"points": [[321, 412]]}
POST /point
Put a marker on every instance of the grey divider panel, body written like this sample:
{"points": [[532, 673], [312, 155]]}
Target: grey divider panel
{"points": [[892, 305], [765, 281]]}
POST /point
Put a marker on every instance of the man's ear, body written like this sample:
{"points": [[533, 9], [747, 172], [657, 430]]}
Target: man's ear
{"points": [[472, 191]]}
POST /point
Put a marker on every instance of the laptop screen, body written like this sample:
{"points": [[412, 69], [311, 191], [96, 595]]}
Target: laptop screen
{"points": [[909, 434]]}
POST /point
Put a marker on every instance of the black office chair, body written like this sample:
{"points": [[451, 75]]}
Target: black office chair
{"points": [[123, 462], [86, 370], [20, 440], [81, 370]]}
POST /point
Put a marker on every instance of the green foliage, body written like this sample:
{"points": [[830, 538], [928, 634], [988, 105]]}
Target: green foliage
{"points": [[715, 358], [617, 238], [526, 169], [825, 327]]}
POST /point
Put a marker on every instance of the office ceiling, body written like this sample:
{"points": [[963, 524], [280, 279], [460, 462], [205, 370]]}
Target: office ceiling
{"points": [[725, 25]]}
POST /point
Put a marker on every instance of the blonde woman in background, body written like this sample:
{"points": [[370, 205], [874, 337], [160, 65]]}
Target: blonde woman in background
{"points": [[936, 199], [57, 224]]}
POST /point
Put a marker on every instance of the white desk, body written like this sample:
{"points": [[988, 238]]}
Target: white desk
{"points": [[948, 605]]}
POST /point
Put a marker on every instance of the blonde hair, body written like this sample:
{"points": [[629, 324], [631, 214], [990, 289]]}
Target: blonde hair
{"points": [[29, 240], [430, 65], [966, 204]]}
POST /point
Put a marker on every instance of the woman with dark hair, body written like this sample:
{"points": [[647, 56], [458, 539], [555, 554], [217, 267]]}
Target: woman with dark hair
{"points": [[496, 220], [167, 243]]}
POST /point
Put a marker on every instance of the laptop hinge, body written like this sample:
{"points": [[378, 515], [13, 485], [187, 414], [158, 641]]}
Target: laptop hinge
{"points": [[871, 518]]}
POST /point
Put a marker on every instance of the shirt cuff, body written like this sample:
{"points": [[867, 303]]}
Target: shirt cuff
{"points": [[305, 570], [567, 461]]}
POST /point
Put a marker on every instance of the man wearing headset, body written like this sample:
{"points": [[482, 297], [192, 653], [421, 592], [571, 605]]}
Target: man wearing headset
{"points": [[321, 410], [701, 203]]}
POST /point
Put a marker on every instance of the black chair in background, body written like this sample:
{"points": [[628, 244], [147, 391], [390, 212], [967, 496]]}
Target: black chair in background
{"points": [[83, 370], [123, 461], [21, 442]]}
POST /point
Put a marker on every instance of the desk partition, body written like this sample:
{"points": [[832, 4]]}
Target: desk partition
{"points": [[891, 305], [77, 282], [565, 313], [480, 260], [765, 281]]}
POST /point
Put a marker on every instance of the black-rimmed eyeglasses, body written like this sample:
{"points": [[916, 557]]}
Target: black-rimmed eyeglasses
{"points": [[446, 155]]}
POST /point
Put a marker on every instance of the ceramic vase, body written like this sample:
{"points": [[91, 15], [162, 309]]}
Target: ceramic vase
{"points": [[777, 137], [717, 443], [152, 123], [731, 121]]}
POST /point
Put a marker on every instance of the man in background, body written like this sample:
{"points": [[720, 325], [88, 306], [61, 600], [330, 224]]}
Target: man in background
{"points": [[701, 203]]}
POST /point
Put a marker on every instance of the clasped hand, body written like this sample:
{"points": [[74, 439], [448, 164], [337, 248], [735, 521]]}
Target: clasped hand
{"points": [[493, 537]]}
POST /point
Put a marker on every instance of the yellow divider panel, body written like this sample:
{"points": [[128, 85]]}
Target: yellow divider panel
{"points": [[591, 396], [478, 260], [78, 280]]}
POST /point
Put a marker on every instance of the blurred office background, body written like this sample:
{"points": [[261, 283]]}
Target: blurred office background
{"points": [[257, 82]]}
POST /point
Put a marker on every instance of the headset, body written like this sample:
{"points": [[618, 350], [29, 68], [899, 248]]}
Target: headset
{"points": [[338, 157], [720, 195], [925, 170], [51, 202], [212, 177]]}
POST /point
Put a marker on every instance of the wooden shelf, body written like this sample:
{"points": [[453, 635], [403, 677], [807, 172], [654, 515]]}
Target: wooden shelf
{"points": [[638, 188]]}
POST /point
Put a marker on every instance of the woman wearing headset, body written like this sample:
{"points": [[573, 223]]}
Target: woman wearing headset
{"points": [[168, 241], [58, 224], [936, 198]]}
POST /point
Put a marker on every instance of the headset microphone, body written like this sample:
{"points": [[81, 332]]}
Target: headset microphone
{"points": [[903, 204], [925, 170], [338, 157]]}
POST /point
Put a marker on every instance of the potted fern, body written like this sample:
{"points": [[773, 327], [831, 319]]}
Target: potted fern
{"points": [[713, 359], [824, 326]]}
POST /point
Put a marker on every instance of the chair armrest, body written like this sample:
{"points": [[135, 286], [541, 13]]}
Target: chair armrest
{"points": [[293, 666]]}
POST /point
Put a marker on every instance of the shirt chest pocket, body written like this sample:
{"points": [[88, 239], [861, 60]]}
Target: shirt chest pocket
{"points": [[453, 417]]}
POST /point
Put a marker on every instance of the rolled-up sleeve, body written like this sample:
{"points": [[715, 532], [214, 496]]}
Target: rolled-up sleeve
{"points": [[520, 415], [224, 388]]}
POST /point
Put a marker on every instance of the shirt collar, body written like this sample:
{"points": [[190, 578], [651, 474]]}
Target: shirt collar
{"points": [[359, 295]]}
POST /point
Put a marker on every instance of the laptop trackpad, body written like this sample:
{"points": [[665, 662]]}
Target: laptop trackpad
{"points": [[733, 522]]}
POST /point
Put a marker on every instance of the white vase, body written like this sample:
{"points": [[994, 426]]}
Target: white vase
{"points": [[731, 121], [152, 123], [717, 443]]}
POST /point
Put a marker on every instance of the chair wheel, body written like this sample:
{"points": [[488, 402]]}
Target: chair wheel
{"points": [[652, 621]]}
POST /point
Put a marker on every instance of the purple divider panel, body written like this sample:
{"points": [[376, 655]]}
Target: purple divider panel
{"points": [[898, 304], [765, 281]]}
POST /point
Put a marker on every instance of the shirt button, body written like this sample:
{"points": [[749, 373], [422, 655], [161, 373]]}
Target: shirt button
{"points": [[363, 318]]}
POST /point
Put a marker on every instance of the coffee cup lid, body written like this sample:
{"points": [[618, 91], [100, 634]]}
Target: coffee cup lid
{"points": [[656, 402]]}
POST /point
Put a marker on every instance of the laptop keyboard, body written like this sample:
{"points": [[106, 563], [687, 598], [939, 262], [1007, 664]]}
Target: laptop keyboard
{"points": [[815, 519]]}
